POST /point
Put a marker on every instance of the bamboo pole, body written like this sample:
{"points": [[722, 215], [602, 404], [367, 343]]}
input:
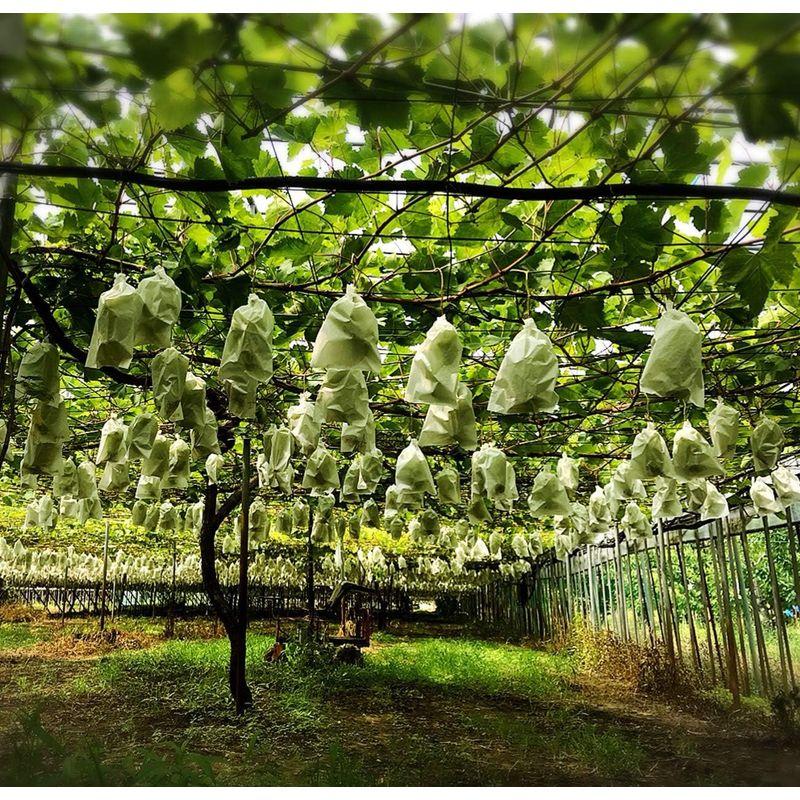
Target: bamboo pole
{"points": [[711, 630], [758, 675], [620, 587], [634, 594], [755, 600], [730, 635], [780, 623], [793, 554], [666, 601], [689, 615], [736, 605], [644, 594]]}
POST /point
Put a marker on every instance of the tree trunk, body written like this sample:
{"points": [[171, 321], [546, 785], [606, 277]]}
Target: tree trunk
{"points": [[212, 519]]}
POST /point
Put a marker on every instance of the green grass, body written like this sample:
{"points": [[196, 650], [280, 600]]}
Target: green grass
{"points": [[421, 710], [466, 665], [14, 636]]}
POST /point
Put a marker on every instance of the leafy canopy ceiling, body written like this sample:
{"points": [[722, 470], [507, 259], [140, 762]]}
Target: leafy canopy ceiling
{"points": [[524, 101]]}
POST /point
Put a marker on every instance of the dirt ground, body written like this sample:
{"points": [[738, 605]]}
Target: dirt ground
{"points": [[60, 712]]}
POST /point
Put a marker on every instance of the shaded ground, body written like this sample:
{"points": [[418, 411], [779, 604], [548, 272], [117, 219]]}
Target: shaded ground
{"points": [[422, 710]]}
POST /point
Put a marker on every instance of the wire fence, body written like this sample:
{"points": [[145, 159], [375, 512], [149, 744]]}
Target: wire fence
{"points": [[721, 599]]}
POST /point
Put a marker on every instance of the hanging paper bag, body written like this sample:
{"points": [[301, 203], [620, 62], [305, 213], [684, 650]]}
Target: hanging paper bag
{"points": [[151, 518], [527, 376], [247, 355], [49, 422], [358, 436], [304, 424], [179, 465], [444, 426], [787, 487], [204, 438], [87, 482], [696, 491], [138, 513], [766, 443], [723, 425], [448, 486], [600, 518], [168, 371], [140, 435], [649, 456], [161, 307], [567, 472], [168, 517], [350, 482], [477, 511], [281, 448], [412, 472], [433, 377], [41, 457], [489, 472], [115, 477], [343, 397], [322, 473], [300, 515], [148, 488], [692, 455], [38, 376], [623, 486], [666, 503], [66, 482], [118, 315], [112, 441], [764, 502], [674, 366], [370, 514], [193, 402], [156, 463], [348, 337], [548, 497], [715, 506], [214, 463], [634, 523]]}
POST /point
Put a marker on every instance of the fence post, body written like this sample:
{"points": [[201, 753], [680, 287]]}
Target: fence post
{"points": [[105, 579]]}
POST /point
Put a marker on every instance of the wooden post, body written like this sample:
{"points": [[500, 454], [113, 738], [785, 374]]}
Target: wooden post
{"points": [[310, 589], [244, 546], [64, 598], [8, 200], [105, 579], [171, 612]]}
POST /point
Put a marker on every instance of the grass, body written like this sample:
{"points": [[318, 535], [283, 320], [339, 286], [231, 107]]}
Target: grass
{"points": [[422, 710]]}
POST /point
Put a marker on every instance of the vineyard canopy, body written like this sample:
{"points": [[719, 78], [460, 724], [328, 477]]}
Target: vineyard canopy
{"points": [[583, 172]]}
